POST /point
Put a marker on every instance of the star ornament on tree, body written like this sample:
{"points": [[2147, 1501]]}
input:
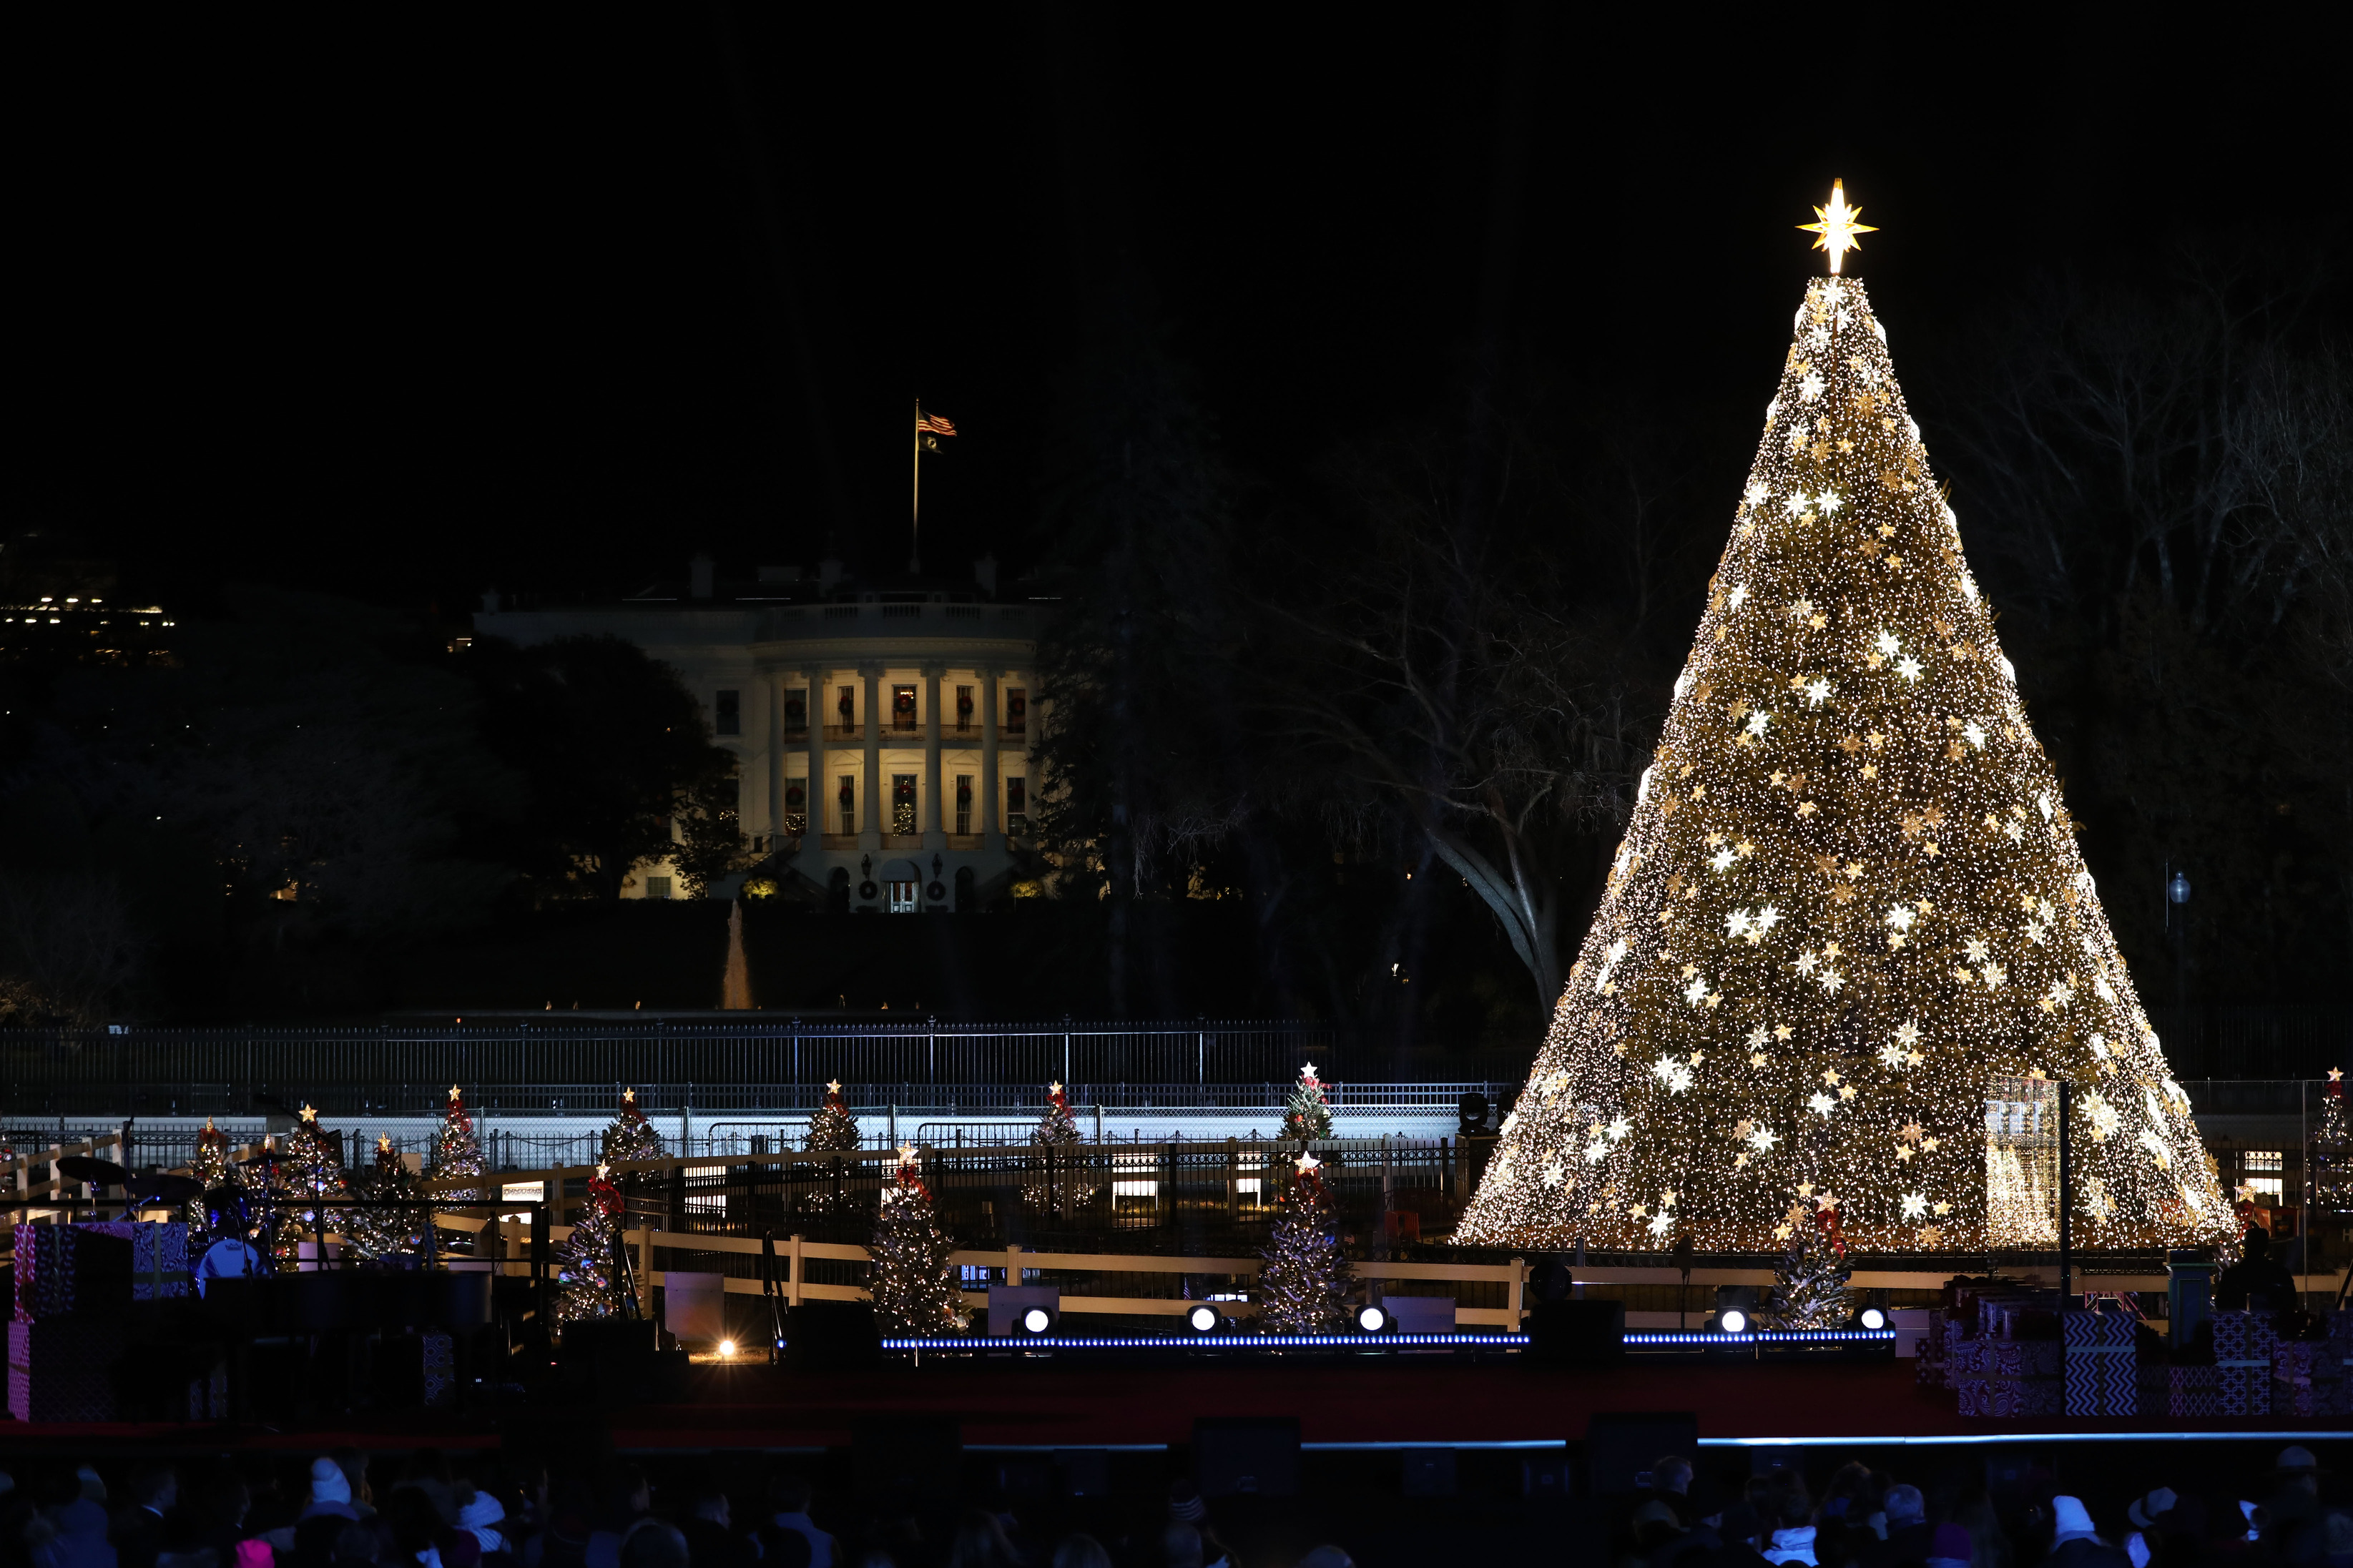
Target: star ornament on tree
{"points": [[1307, 1163], [833, 1086], [1837, 227]]}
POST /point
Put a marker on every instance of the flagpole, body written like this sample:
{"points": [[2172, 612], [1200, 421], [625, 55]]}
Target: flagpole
{"points": [[915, 521]]}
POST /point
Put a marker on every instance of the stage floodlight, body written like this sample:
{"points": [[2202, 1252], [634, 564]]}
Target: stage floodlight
{"points": [[1374, 1320], [1871, 1317], [1732, 1321], [726, 1349], [1202, 1320], [1036, 1320]]}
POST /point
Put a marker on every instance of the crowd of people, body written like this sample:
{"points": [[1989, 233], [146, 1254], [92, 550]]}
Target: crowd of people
{"points": [[1967, 1508], [1995, 1515], [349, 1510]]}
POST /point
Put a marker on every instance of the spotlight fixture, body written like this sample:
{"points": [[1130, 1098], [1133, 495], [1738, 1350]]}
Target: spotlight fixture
{"points": [[1374, 1320], [726, 1349], [1732, 1321], [1202, 1320], [1036, 1320], [1871, 1317]]}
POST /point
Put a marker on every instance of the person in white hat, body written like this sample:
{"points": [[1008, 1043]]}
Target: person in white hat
{"points": [[2144, 1513], [2075, 1543]]}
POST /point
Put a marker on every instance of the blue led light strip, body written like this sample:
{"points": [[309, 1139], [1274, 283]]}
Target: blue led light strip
{"points": [[1367, 1342], [1770, 1337], [1215, 1341]]}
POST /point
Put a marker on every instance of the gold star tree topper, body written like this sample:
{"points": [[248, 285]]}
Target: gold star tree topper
{"points": [[1837, 228]]}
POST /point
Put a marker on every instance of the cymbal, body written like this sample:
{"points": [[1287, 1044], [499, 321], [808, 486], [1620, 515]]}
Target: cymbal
{"points": [[167, 1190], [87, 1168]]}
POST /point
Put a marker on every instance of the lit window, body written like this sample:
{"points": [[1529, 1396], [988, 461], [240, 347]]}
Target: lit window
{"points": [[2261, 1160], [658, 887]]}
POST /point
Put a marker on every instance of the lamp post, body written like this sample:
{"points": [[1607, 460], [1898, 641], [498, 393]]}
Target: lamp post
{"points": [[2177, 926]]}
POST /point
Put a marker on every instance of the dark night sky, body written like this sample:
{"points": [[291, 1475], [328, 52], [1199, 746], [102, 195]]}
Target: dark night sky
{"points": [[402, 308]]}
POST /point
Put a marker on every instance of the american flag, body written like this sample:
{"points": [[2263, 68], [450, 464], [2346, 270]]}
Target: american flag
{"points": [[933, 425]]}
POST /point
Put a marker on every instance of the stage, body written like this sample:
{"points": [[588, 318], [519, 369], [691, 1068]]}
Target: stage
{"points": [[1090, 1402]]}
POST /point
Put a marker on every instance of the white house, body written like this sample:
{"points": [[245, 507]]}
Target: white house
{"points": [[882, 730]]}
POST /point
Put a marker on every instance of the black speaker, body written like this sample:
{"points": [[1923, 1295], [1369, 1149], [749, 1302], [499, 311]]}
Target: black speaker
{"points": [[1257, 1456], [1428, 1472], [1578, 1333], [828, 1336], [1086, 1472], [1621, 1445]]}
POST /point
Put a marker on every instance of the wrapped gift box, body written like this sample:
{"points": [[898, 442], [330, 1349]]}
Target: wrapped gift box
{"points": [[159, 1256], [2307, 1376], [1965, 1372], [2021, 1377], [2193, 1391], [2100, 1360], [71, 1270], [2244, 1346], [62, 1368]]}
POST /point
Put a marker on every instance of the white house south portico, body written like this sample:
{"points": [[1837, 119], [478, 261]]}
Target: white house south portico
{"points": [[882, 731]]}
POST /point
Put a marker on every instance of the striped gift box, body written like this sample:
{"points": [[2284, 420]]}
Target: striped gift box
{"points": [[2102, 1376]]}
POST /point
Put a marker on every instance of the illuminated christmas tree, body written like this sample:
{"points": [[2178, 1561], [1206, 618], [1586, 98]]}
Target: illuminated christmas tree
{"points": [[375, 1232], [632, 1137], [457, 1149], [1306, 1116], [587, 1279], [308, 1184], [1850, 897], [212, 1168], [1303, 1280], [1809, 1288], [1058, 1181], [832, 1131], [2332, 1152], [910, 1275]]}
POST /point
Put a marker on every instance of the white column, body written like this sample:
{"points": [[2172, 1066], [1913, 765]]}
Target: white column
{"points": [[813, 793], [776, 684], [870, 810], [934, 836], [992, 824]]}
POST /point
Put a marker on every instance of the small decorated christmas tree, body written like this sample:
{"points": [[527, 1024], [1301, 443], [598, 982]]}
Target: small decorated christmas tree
{"points": [[1058, 1181], [587, 1284], [1057, 1125], [375, 1231], [1306, 1116], [211, 1167], [2332, 1152], [1810, 1289], [832, 1131], [913, 1282], [310, 1182], [1302, 1286], [457, 1149], [632, 1137]]}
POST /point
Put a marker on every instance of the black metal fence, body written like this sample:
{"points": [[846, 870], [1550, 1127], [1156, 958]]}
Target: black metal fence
{"points": [[396, 1069]]}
